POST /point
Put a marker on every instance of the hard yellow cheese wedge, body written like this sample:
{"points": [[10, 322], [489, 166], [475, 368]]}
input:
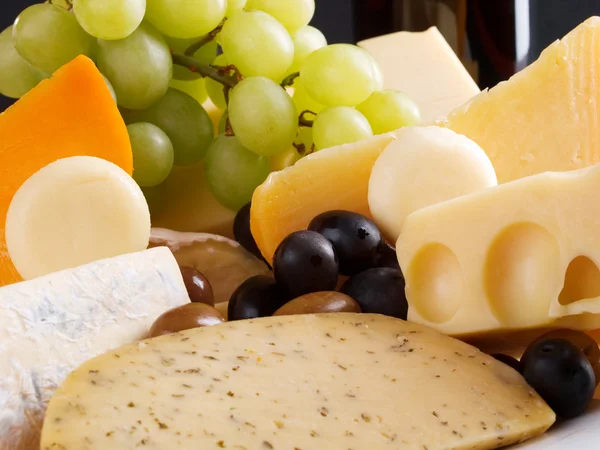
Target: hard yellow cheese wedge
{"points": [[546, 117], [519, 255], [333, 178], [334, 381]]}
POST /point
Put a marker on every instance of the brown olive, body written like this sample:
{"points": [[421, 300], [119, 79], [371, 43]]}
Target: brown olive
{"points": [[198, 287], [191, 315], [582, 341], [319, 302]]}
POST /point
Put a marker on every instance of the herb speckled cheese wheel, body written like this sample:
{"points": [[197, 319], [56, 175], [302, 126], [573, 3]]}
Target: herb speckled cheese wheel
{"points": [[335, 381]]}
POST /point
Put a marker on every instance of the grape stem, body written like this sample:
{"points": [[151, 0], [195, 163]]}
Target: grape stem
{"points": [[216, 73], [192, 49], [68, 2], [228, 129], [289, 80], [303, 121], [301, 149]]}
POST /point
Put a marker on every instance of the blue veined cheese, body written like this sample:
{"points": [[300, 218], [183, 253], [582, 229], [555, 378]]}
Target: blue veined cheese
{"points": [[327, 381], [52, 324]]}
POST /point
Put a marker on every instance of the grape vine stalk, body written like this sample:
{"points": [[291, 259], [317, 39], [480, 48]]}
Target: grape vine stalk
{"points": [[228, 76]]}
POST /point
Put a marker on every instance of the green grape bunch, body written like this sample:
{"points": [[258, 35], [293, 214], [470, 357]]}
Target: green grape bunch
{"points": [[275, 89]]}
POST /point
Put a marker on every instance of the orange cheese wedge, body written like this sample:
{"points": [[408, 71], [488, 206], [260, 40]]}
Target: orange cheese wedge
{"points": [[70, 114], [333, 178]]}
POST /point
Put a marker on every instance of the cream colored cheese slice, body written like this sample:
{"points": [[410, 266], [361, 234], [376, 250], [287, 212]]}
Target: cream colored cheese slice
{"points": [[335, 382]]}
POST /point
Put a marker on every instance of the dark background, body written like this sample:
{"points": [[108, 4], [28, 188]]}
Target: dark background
{"points": [[354, 20]]}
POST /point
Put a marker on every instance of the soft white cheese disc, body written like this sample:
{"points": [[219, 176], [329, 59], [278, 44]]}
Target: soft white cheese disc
{"points": [[422, 167], [72, 212]]}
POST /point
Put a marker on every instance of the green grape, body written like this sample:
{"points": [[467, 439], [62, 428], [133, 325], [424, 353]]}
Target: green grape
{"points": [[156, 197], [389, 110], [257, 45], [48, 37], [139, 67], [234, 6], [223, 122], [303, 101], [184, 120], [205, 55], [186, 18], [109, 19], [110, 88], [293, 14], [284, 160], [306, 40], [340, 75], [152, 154], [339, 125], [233, 172], [194, 88], [263, 116], [17, 76], [214, 88]]}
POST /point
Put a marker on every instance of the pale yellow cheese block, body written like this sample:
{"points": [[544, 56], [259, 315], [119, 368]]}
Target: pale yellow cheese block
{"points": [[333, 178], [546, 117], [498, 259], [331, 381], [425, 67], [188, 204]]}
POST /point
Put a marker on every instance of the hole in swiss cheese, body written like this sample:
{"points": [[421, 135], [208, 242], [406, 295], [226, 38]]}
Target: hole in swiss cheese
{"points": [[582, 281]]}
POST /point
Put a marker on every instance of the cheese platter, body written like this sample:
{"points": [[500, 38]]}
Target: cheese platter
{"points": [[218, 231]]}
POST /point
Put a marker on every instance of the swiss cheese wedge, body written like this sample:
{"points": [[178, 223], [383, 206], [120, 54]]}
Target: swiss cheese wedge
{"points": [[333, 178], [546, 117], [70, 114], [328, 381]]}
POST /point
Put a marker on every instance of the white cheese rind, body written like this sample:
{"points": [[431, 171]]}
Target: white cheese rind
{"points": [[50, 325], [330, 381]]}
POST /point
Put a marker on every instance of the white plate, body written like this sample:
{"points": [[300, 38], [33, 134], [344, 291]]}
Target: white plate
{"points": [[582, 433]]}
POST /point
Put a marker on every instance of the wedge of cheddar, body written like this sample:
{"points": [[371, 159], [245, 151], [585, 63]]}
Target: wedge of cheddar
{"points": [[516, 256], [70, 114], [333, 178], [330, 381], [50, 325], [424, 66], [546, 117]]}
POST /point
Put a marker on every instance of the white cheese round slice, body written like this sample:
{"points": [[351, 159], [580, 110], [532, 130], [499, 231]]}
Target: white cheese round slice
{"points": [[72, 212], [422, 167]]}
